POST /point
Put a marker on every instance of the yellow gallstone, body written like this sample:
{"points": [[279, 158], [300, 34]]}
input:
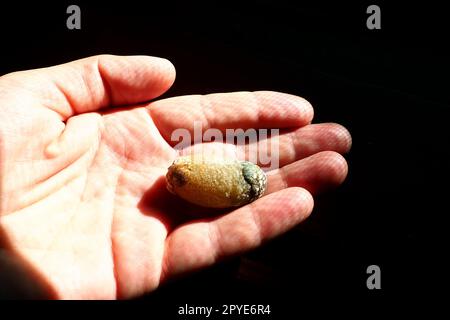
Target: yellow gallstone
{"points": [[215, 182]]}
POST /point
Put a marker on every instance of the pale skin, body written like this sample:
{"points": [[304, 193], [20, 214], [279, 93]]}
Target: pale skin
{"points": [[84, 213]]}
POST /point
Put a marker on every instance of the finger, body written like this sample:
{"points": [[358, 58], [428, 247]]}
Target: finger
{"points": [[298, 144], [316, 173], [200, 244], [244, 110], [94, 83]]}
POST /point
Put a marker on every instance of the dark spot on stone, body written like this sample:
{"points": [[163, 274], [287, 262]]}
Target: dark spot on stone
{"points": [[178, 178], [248, 171]]}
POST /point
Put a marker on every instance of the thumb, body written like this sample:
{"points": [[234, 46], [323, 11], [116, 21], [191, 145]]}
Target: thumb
{"points": [[94, 83], [36, 147]]}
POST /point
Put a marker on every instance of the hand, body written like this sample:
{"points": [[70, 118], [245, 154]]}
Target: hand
{"points": [[84, 211]]}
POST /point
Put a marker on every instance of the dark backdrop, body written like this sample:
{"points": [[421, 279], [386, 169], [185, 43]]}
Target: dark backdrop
{"points": [[389, 87]]}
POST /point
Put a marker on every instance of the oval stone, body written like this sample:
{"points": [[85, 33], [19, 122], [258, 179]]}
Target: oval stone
{"points": [[216, 182]]}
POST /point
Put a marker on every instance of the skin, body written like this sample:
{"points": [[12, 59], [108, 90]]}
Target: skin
{"points": [[84, 212]]}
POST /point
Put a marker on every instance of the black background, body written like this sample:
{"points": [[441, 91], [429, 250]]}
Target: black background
{"points": [[389, 87]]}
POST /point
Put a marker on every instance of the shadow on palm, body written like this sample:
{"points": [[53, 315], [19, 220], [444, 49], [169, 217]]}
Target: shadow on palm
{"points": [[173, 211]]}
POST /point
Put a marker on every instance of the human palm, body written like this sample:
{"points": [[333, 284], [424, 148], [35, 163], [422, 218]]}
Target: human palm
{"points": [[84, 208]]}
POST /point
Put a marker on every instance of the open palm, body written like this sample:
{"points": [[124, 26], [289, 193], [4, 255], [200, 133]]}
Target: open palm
{"points": [[84, 211]]}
